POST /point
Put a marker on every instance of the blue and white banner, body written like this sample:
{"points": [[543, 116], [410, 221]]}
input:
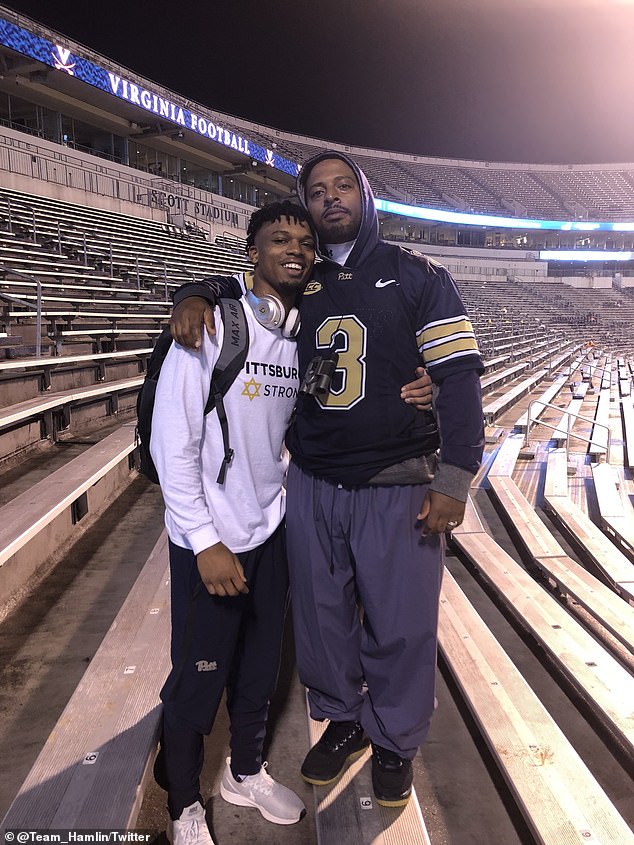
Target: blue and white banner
{"points": [[60, 58]]}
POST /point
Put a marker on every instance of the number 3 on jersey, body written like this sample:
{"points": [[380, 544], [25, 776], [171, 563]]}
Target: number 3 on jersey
{"points": [[348, 336]]}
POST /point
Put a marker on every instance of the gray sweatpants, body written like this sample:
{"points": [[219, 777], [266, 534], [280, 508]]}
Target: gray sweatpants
{"points": [[352, 549]]}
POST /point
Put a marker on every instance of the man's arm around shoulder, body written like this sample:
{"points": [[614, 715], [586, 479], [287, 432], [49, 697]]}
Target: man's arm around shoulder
{"points": [[193, 306]]}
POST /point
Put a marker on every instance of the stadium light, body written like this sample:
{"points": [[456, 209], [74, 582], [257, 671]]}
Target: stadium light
{"points": [[494, 222], [584, 255]]}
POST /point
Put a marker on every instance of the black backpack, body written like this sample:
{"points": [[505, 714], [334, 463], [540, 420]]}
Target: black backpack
{"points": [[235, 346]]}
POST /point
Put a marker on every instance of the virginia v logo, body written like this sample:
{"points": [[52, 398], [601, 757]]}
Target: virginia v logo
{"points": [[206, 665], [61, 60]]}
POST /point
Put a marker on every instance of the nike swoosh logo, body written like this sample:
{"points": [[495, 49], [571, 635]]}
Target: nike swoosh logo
{"points": [[382, 284]]}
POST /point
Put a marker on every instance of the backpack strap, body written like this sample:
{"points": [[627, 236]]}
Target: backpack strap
{"points": [[235, 346], [145, 405]]}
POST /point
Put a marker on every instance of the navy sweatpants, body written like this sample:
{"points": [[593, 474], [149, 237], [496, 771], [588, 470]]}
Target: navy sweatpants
{"points": [[218, 642], [361, 548]]}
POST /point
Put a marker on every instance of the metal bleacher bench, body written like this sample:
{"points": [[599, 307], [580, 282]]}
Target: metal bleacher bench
{"points": [[539, 405], [93, 769], [596, 675], [499, 377], [566, 423], [495, 407], [76, 301], [340, 816], [543, 550], [627, 412], [69, 314], [42, 516], [81, 289], [48, 364], [558, 796], [587, 538], [105, 332], [617, 515], [491, 364], [506, 455], [598, 448], [44, 405]]}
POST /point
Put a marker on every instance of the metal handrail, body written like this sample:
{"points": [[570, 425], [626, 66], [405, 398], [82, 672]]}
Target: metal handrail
{"points": [[602, 370], [16, 300], [37, 307], [569, 434]]}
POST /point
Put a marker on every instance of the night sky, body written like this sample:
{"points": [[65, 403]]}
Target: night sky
{"points": [[501, 80]]}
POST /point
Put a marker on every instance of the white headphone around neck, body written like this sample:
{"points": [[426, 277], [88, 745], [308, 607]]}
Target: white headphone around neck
{"points": [[270, 313]]}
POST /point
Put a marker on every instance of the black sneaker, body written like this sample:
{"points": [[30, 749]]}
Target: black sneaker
{"points": [[391, 777], [340, 744]]}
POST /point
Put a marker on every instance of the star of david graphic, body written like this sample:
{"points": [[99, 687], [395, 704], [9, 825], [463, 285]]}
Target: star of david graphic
{"points": [[62, 62], [251, 389]]}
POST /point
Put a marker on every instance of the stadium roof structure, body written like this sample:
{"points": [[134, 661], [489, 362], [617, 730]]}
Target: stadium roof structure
{"points": [[50, 69]]}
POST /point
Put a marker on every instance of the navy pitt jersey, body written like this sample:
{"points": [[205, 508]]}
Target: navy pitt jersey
{"points": [[385, 312], [384, 318]]}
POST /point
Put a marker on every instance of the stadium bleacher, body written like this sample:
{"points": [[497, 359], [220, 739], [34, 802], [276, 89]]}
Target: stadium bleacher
{"points": [[536, 631]]}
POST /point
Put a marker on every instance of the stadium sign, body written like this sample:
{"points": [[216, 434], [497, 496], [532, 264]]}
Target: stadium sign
{"points": [[148, 100], [205, 210], [63, 60]]}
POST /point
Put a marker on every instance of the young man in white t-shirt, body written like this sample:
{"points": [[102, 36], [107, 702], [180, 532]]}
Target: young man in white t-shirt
{"points": [[229, 579]]}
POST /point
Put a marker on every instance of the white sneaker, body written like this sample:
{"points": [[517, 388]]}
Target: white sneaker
{"points": [[191, 828], [277, 803]]}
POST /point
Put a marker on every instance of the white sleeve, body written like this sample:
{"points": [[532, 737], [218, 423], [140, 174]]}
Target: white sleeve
{"points": [[177, 429]]}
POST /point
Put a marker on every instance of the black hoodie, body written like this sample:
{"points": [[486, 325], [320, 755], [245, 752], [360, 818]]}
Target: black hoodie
{"points": [[381, 311]]}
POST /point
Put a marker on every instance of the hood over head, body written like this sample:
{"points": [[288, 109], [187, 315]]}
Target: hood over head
{"points": [[368, 235]]}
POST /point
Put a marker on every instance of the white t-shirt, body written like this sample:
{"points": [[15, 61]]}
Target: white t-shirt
{"points": [[187, 447]]}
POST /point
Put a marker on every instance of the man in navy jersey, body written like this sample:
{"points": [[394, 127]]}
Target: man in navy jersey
{"points": [[373, 483]]}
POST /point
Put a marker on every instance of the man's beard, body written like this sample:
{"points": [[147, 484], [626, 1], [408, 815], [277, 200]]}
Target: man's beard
{"points": [[339, 232], [292, 288]]}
